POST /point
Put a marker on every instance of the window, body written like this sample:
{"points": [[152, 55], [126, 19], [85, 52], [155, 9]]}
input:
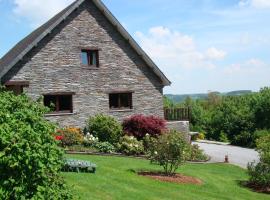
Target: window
{"points": [[16, 86], [16, 89], [120, 101], [90, 57], [59, 103]]}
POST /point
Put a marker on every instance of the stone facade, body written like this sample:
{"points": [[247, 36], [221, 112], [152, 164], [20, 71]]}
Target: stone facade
{"points": [[54, 65], [181, 126]]}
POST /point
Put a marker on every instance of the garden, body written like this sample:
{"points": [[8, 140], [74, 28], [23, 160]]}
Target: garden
{"points": [[136, 159]]}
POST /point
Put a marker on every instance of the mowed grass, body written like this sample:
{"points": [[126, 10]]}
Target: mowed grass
{"points": [[116, 179]]}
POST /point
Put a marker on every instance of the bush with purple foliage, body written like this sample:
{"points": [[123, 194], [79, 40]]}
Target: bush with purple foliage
{"points": [[139, 125]]}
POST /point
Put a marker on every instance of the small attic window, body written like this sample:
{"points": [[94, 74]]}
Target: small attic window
{"points": [[90, 58]]}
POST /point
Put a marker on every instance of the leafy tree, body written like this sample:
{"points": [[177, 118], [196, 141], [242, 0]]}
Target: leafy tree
{"points": [[30, 161], [262, 109]]}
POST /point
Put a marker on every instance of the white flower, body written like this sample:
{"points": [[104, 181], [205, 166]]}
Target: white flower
{"points": [[155, 153], [136, 145], [147, 134]]}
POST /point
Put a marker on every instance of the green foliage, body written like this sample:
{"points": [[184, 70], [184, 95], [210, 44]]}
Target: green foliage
{"points": [[30, 161], [169, 150], [71, 136], [105, 147], [263, 147], [129, 145], [106, 128], [231, 118], [260, 173], [262, 109], [197, 154]]}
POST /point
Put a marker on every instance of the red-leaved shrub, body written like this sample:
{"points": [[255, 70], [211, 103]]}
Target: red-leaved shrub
{"points": [[139, 125]]}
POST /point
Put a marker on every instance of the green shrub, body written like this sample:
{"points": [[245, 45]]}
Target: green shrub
{"points": [[197, 154], [260, 173], [223, 137], [263, 147], [30, 161], [170, 150], [147, 140], [106, 128], [260, 133], [105, 147], [129, 145], [244, 139]]}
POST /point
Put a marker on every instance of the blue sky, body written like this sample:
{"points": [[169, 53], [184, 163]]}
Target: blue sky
{"points": [[201, 45]]}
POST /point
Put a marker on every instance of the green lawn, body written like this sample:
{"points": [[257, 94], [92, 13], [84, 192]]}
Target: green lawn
{"points": [[115, 179]]}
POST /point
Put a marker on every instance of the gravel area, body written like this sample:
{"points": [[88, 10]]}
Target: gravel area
{"points": [[237, 155]]}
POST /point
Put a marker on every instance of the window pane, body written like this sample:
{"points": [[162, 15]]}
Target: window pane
{"points": [[124, 101], [65, 103], [84, 58], [113, 101], [120, 101], [93, 58], [50, 102]]}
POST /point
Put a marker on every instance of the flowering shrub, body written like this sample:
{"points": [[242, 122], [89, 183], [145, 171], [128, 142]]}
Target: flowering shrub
{"points": [[90, 140], [105, 147], [130, 145], [169, 150], [139, 125], [106, 128], [70, 136], [58, 137]]}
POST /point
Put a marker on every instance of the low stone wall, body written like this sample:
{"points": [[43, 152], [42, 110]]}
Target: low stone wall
{"points": [[181, 126]]}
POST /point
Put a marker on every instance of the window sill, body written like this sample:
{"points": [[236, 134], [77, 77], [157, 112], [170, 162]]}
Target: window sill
{"points": [[58, 114], [121, 110]]}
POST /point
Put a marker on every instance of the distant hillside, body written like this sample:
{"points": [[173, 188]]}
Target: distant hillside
{"points": [[181, 97]]}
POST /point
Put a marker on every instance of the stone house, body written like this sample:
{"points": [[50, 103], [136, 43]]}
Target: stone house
{"points": [[83, 62]]}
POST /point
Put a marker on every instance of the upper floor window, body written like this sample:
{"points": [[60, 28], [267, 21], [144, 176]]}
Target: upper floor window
{"points": [[90, 58], [59, 103], [120, 101], [16, 86]]}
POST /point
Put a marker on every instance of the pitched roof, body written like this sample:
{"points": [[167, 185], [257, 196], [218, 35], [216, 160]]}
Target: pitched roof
{"points": [[30, 41]]}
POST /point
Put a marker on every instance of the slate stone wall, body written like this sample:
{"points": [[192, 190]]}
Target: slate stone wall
{"points": [[54, 65], [181, 126]]}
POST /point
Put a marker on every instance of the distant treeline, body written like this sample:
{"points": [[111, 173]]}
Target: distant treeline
{"points": [[178, 98], [239, 119]]}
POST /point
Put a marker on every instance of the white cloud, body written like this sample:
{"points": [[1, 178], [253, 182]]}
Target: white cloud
{"points": [[171, 49], [215, 54], [250, 66], [259, 4], [39, 11]]}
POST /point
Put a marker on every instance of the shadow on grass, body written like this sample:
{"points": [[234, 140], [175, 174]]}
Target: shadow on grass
{"points": [[253, 187]]}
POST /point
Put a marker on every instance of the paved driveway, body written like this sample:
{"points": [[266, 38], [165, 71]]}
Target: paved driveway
{"points": [[237, 155]]}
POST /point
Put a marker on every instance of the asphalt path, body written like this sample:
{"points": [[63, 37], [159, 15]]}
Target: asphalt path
{"points": [[237, 155]]}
